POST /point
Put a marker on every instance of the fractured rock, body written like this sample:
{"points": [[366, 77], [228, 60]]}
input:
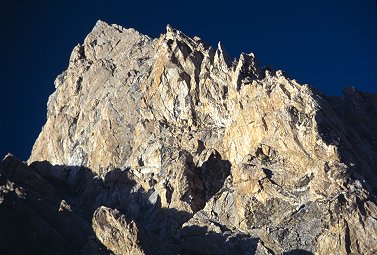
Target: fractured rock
{"points": [[167, 146]]}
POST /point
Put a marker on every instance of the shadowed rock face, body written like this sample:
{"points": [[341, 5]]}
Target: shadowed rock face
{"points": [[166, 146]]}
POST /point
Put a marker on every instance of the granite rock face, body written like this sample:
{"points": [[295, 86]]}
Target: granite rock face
{"points": [[168, 146]]}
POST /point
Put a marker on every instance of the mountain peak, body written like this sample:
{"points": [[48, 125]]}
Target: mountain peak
{"points": [[170, 142]]}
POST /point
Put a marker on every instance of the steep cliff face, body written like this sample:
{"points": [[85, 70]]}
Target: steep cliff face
{"points": [[167, 146]]}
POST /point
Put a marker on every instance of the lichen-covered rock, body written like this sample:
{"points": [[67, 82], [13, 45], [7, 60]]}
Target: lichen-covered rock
{"points": [[191, 152]]}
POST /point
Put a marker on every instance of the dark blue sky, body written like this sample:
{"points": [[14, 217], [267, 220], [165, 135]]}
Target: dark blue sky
{"points": [[325, 43]]}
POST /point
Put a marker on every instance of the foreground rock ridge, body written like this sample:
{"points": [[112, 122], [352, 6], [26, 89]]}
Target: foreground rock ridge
{"points": [[169, 146]]}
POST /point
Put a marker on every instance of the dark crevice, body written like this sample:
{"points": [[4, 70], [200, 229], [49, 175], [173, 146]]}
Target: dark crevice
{"points": [[213, 173], [347, 238]]}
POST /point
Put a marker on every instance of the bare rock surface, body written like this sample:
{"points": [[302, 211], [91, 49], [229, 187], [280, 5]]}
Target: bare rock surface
{"points": [[168, 146], [114, 232]]}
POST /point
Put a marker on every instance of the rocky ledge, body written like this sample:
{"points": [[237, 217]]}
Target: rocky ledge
{"points": [[168, 146]]}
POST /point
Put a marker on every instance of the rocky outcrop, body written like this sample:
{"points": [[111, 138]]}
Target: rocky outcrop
{"points": [[167, 146], [114, 232]]}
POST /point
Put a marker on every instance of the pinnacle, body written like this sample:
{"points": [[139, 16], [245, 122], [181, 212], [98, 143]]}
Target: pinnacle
{"points": [[171, 31]]}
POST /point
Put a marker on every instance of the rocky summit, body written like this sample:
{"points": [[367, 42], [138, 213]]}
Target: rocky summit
{"points": [[169, 146]]}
